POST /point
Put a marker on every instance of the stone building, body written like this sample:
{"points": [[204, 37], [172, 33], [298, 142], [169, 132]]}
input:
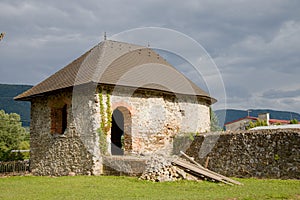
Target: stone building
{"points": [[116, 99]]}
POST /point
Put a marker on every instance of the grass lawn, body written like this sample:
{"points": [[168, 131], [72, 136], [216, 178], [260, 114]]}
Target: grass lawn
{"points": [[109, 187]]}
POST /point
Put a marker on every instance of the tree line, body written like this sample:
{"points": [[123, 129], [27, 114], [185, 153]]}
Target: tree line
{"points": [[13, 137]]}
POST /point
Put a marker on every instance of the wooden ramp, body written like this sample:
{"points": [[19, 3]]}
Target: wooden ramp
{"points": [[198, 170]]}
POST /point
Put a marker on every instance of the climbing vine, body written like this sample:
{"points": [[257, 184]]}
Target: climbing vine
{"points": [[106, 118], [108, 112], [106, 121], [102, 142]]}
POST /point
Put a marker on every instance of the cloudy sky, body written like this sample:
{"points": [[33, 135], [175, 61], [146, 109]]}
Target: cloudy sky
{"points": [[254, 44]]}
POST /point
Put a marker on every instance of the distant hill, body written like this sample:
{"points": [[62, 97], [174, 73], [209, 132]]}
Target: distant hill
{"points": [[232, 114], [7, 103]]}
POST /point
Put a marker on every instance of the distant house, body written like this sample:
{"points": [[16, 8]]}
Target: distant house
{"points": [[243, 123], [121, 97]]}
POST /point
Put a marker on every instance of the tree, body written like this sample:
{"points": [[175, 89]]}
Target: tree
{"points": [[259, 122], [12, 136], [214, 122], [294, 121]]}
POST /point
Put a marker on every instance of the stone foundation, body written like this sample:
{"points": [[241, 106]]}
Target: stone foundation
{"points": [[123, 165]]}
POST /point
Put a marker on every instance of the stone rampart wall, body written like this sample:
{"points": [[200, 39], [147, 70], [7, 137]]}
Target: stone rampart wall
{"points": [[260, 153]]}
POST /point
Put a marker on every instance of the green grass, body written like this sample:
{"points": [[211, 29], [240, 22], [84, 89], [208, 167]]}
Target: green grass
{"points": [[108, 187]]}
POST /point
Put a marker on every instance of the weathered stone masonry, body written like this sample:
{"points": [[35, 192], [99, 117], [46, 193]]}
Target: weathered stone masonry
{"points": [[56, 154], [260, 153], [156, 118], [152, 119]]}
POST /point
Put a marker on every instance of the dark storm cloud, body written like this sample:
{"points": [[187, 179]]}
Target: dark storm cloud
{"points": [[255, 44]]}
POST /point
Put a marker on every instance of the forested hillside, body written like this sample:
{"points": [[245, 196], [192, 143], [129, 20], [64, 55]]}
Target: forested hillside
{"points": [[9, 105]]}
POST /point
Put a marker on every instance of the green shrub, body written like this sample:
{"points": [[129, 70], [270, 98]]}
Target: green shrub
{"points": [[259, 122], [294, 121]]}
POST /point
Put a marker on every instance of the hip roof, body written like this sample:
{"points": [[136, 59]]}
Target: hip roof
{"points": [[122, 64]]}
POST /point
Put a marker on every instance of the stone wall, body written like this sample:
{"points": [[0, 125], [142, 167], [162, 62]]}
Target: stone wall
{"points": [[73, 151], [156, 118], [260, 153]]}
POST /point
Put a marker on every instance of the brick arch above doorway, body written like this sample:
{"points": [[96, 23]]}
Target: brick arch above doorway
{"points": [[123, 105]]}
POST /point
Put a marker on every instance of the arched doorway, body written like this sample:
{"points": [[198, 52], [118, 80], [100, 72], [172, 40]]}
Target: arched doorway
{"points": [[117, 131]]}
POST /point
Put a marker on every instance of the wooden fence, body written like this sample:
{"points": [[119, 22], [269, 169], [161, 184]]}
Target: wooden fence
{"points": [[15, 167]]}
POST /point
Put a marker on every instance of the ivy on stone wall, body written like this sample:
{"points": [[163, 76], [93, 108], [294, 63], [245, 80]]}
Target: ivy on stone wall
{"points": [[106, 121], [108, 112], [102, 142], [106, 116]]}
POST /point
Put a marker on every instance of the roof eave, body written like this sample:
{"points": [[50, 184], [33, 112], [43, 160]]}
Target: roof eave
{"points": [[208, 99]]}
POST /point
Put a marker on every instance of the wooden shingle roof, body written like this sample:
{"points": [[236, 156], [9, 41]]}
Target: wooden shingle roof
{"points": [[118, 63]]}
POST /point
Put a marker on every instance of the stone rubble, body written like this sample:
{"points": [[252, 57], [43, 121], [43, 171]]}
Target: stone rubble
{"points": [[159, 169]]}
